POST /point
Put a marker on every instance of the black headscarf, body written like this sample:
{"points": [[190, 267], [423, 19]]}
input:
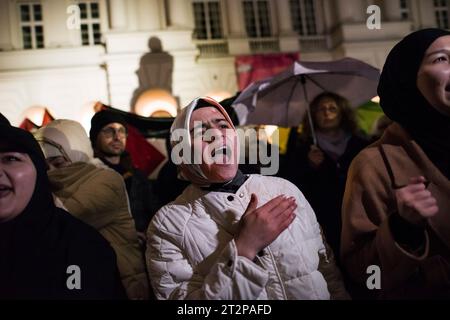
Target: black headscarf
{"points": [[38, 245], [402, 101], [3, 120], [38, 211]]}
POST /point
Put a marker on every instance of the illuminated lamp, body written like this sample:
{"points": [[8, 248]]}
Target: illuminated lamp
{"points": [[270, 129], [156, 102], [35, 114]]}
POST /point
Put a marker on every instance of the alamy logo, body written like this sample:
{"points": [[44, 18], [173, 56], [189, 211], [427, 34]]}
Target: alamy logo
{"points": [[222, 147], [74, 279], [73, 21], [374, 20], [374, 280]]}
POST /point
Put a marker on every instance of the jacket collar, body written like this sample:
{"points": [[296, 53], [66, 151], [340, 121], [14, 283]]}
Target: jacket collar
{"points": [[396, 135]]}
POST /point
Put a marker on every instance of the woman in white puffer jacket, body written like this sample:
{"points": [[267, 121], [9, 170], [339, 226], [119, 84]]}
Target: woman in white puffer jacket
{"points": [[234, 236]]}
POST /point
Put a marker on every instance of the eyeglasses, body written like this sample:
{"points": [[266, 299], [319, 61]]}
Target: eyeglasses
{"points": [[111, 132], [331, 109]]}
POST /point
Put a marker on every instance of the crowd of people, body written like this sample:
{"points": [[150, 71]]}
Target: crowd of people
{"points": [[79, 221]]}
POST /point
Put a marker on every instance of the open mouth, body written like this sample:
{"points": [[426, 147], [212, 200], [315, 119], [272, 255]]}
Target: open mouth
{"points": [[447, 88], [5, 190], [223, 152]]}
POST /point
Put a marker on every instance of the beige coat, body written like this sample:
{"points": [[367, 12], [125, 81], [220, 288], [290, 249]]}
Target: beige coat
{"points": [[366, 235], [98, 197]]}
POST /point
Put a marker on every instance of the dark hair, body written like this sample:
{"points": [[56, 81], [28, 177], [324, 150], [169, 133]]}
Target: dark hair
{"points": [[4, 120], [348, 120]]}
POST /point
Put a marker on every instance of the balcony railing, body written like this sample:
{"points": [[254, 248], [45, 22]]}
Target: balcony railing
{"points": [[212, 48], [264, 45], [313, 43]]}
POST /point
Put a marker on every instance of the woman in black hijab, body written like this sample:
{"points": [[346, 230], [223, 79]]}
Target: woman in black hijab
{"points": [[45, 253], [396, 211]]}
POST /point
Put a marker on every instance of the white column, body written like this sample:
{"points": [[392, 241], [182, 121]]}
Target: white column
{"points": [[180, 14], [235, 13], [118, 14], [352, 11], [426, 14], [284, 17], [391, 10], [149, 15], [133, 13], [288, 38], [5, 25]]}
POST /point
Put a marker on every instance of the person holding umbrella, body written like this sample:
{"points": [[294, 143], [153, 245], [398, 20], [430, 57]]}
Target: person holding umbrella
{"points": [[320, 169], [396, 211]]}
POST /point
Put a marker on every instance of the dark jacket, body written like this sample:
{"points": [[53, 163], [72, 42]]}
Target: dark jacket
{"points": [[143, 199], [39, 245], [323, 187]]}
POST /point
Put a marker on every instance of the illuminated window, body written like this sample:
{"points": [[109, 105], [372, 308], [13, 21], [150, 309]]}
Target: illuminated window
{"points": [[31, 25], [441, 13], [156, 102], [303, 17], [207, 19], [90, 23], [404, 9], [257, 18]]}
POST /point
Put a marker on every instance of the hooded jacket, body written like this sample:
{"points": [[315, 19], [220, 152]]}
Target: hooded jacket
{"points": [[191, 253], [98, 197]]}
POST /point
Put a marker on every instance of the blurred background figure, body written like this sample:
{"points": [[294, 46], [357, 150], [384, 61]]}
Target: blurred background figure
{"points": [[320, 170], [96, 195], [108, 136], [167, 185]]}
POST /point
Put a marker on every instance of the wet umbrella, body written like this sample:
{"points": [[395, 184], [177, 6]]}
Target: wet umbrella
{"points": [[283, 99]]}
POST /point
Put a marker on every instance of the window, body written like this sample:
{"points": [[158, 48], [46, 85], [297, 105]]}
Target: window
{"points": [[31, 25], [207, 19], [404, 10], [90, 23], [257, 18], [303, 17], [441, 13]]}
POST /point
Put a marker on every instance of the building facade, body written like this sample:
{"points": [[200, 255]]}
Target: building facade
{"points": [[66, 54]]}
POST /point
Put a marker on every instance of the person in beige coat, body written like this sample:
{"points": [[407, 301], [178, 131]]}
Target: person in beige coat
{"points": [[95, 195], [396, 211]]}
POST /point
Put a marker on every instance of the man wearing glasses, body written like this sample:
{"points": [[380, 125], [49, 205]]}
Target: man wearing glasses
{"points": [[108, 136]]}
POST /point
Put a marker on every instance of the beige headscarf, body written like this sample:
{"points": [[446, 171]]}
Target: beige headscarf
{"points": [[65, 138], [189, 171]]}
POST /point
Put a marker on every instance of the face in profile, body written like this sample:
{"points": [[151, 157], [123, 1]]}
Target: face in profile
{"points": [[433, 77], [17, 183], [57, 162], [219, 155], [111, 140], [328, 115]]}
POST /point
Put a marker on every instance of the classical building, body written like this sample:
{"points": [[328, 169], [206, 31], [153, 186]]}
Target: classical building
{"points": [[67, 54]]}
